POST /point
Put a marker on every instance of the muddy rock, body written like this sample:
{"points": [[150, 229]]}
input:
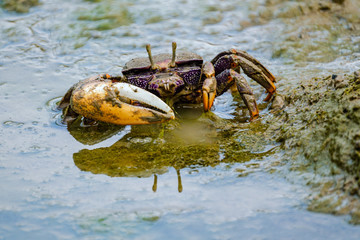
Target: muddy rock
{"points": [[277, 103], [319, 129]]}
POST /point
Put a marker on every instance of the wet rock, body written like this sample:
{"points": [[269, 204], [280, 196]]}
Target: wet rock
{"points": [[20, 6], [319, 128], [277, 103], [340, 82]]}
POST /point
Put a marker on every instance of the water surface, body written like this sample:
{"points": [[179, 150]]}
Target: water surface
{"points": [[224, 182]]}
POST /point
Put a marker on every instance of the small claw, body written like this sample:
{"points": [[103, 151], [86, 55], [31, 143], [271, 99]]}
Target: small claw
{"points": [[208, 100], [205, 101], [209, 86], [119, 103], [254, 115], [270, 94]]}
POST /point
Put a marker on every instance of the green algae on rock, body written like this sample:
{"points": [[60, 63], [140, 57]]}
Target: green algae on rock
{"points": [[20, 6], [107, 15]]}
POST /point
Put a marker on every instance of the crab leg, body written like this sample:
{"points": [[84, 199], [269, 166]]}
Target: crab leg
{"points": [[119, 103], [230, 76], [209, 85], [251, 67], [246, 94]]}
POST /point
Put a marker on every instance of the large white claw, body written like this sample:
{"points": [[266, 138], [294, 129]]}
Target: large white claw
{"points": [[119, 103]]}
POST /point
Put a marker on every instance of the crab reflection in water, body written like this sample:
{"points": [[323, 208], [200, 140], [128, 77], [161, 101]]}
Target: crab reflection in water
{"points": [[150, 150]]}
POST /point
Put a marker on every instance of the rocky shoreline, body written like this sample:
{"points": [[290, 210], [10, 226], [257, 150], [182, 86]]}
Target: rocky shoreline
{"points": [[319, 134]]}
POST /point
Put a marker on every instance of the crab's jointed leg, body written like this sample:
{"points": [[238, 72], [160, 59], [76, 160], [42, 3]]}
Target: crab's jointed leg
{"points": [[234, 59], [230, 76], [209, 85]]}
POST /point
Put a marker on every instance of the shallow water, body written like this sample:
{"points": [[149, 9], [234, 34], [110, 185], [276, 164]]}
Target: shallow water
{"points": [[225, 185]]}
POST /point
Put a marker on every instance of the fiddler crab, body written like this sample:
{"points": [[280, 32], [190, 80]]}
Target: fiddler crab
{"points": [[181, 78]]}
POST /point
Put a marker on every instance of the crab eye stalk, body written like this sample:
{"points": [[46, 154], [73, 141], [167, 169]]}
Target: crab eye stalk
{"points": [[172, 64], [148, 49]]}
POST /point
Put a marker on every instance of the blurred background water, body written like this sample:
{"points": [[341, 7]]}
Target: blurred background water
{"points": [[231, 187]]}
